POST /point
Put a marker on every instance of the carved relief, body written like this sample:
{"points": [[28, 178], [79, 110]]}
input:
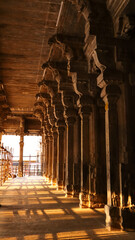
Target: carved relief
{"points": [[126, 26]]}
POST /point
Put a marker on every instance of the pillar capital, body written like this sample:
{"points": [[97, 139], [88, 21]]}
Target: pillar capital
{"points": [[58, 112], [69, 99], [61, 125], [110, 93], [70, 115]]}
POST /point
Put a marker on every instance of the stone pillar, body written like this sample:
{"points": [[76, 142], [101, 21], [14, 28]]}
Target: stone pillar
{"points": [[101, 157], [70, 157], [1, 133], [84, 195], [44, 159], [55, 160], [60, 154], [50, 167], [77, 157], [43, 154], [1, 129], [110, 95], [20, 167], [46, 155], [58, 113]]}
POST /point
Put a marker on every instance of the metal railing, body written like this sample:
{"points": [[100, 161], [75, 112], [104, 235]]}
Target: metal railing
{"points": [[5, 164], [31, 166]]}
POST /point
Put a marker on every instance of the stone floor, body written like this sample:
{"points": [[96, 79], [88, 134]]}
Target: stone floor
{"points": [[33, 209]]}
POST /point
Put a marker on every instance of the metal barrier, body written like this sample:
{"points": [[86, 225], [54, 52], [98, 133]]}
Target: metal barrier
{"points": [[9, 167], [31, 166], [5, 164]]}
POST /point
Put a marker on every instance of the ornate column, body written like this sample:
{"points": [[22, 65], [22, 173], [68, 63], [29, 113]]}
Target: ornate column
{"points": [[43, 153], [70, 117], [1, 129], [61, 129], [20, 167], [77, 156], [70, 120], [49, 149], [85, 111], [101, 191], [110, 95], [55, 160], [48, 140], [46, 155], [53, 143], [50, 167], [60, 152]]}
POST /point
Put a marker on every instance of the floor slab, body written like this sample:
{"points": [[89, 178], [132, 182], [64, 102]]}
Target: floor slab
{"points": [[32, 209]]}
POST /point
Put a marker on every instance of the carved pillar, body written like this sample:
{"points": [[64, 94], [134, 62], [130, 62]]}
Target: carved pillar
{"points": [[46, 155], [43, 153], [1, 129], [85, 111], [77, 157], [50, 167], [101, 157], [110, 95], [58, 113], [70, 157], [1, 133], [20, 167], [53, 143], [55, 160], [60, 154], [68, 99]]}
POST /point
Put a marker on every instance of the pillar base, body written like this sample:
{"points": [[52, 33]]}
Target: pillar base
{"points": [[128, 217], [113, 217], [84, 200], [69, 191], [46, 178], [54, 181], [60, 185], [90, 200], [97, 200], [50, 180], [20, 175], [76, 191]]}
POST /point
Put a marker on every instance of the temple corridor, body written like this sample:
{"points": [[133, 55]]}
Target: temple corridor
{"points": [[34, 209]]}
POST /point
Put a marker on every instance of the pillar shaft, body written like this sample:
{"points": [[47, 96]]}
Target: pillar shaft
{"points": [[113, 215], [43, 155], [50, 158], [101, 191], [70, 157], [46, 156], [60, 157], [77, 157], [85, 158], [20, 169], [55, 160]]}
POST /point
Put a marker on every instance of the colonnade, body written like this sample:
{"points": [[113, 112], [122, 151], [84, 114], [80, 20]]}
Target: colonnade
{"points": [[84, 105], [74, 118], [81, 129]]}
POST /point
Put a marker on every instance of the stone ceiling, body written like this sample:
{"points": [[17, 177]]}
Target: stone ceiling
{"points": [[25, 27]]}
